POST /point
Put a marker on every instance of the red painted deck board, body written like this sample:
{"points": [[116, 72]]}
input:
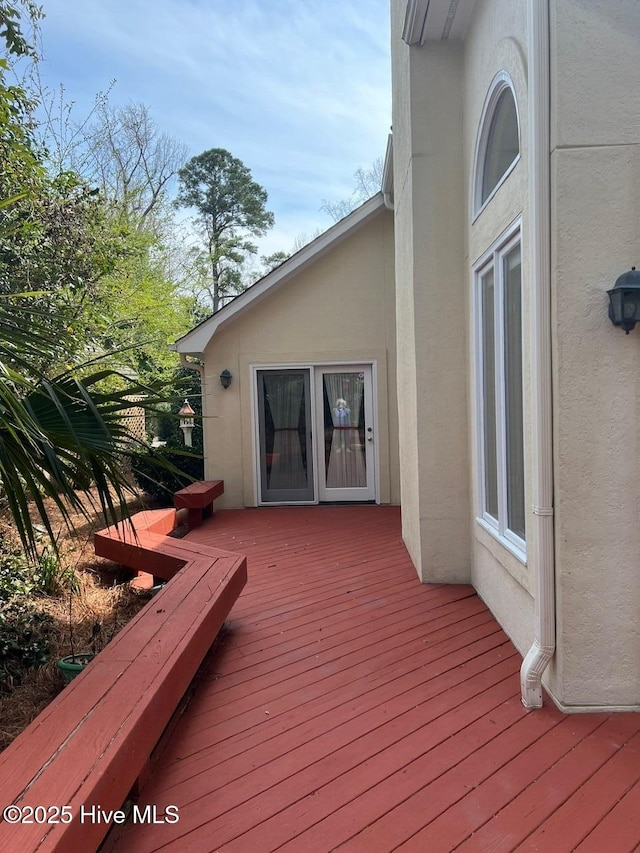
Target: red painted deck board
{"points": [[297, 726], [355, 719], [620, 829], [349, 707], [546, 771], [300, 730], [572, 822], [243, 715], [329, 646]]}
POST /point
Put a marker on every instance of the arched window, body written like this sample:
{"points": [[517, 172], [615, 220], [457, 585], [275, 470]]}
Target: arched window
{"points": [[498, 146]]}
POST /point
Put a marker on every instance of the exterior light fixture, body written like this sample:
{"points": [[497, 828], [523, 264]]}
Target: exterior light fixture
{"points": [[186, 422], [624, 300], [225, 379]]}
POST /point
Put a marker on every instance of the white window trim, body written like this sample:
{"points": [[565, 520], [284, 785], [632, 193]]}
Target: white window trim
{"points": [[499, 83], [492, 259]]}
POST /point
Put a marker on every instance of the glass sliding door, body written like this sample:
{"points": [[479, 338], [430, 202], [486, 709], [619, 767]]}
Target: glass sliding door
{"points": [[345, 451], [286, 457]]}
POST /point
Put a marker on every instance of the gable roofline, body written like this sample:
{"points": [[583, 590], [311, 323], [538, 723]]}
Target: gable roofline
{"points": [[436, 20], [195, 342]]}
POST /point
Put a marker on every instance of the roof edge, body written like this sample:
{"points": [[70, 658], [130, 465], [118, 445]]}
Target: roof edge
{"points": [[195, 342]]}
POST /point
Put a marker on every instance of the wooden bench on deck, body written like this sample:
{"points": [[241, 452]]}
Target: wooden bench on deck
{"points": [[198, 499], [92, 744], [129, 545]]}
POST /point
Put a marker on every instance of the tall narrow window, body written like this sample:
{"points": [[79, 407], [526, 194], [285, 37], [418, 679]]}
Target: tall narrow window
{"points": [[514, 425], [498, 145], [489, 393], [500, 397]]}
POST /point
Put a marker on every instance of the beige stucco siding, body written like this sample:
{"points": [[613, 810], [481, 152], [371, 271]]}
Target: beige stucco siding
{"points": [[430, 305], [596, 214], [439, 90], [404, 237], [340, 308], [497, 42]]}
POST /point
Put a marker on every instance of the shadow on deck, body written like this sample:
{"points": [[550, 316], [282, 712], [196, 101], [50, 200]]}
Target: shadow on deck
{"points": [[348, 707]]}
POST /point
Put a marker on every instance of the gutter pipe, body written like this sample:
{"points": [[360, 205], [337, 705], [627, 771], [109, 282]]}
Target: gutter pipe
{"points": [[544, 644], [191, 365], [387, 175]]}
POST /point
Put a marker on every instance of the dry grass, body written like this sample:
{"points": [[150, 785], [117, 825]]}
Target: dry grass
{"points": [[102, 603]]}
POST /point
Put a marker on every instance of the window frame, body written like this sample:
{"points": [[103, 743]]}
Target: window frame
{"points": [[500, 82], [493, 259]]}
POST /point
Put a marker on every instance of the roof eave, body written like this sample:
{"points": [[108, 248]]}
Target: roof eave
{"points": [[436, 20]]}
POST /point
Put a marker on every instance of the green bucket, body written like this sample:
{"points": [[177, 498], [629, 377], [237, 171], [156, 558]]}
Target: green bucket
{"points": [[71, 665]]}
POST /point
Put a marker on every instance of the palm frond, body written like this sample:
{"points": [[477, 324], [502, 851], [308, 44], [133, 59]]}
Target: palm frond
{"points": [[57, 438]]}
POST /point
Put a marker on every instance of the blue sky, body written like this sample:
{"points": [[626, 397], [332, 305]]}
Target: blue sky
{"points": [[298, 90]]}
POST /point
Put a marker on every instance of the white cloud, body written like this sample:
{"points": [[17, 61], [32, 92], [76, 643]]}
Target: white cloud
{"points": [[298, 90]]}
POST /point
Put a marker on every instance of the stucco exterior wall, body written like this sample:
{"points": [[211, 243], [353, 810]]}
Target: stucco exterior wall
{"points": [[403, 217], [439, 90], [595, 189], [341, 308], [497, 41], [431, 287]]}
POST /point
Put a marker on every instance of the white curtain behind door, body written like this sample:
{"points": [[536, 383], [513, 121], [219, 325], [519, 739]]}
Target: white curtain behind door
{"points": [[346, 464]]}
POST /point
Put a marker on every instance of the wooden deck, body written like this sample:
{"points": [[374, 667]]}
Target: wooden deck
{"points": [[348, 707]]}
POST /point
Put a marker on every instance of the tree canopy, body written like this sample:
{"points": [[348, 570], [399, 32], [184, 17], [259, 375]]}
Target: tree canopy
{"points": [[123, 153], [230, 208], [13, 16], [66, 251], [92, 278]]}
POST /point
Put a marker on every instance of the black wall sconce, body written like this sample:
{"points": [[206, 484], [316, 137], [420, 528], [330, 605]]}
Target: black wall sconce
{"points": [[225, 379], [624, 300]]}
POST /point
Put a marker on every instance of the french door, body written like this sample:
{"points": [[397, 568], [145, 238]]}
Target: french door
{"points": [[316, 438], [285, 454], [344, 415]]}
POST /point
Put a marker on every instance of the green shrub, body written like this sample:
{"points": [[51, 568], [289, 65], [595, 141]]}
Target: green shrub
{"points": [[165, 470], [19, 578], [16, 575], [23, 642], [51, 576], [24, 629]]}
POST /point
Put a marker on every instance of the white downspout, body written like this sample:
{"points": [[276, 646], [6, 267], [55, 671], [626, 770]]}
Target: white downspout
{"points": [[544, 643]]}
